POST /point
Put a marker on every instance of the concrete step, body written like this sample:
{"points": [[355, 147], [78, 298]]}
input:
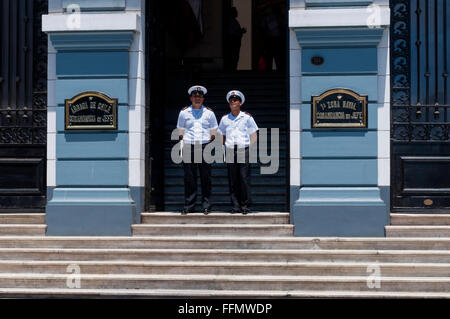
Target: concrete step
{"points": [[218, 282], [227, 268], [226, 242], [224, 205], [215, 218], [420, 219], [22, 219], [209, 293], [22, 230], [418, 231], [229, 255], [212, 230]]}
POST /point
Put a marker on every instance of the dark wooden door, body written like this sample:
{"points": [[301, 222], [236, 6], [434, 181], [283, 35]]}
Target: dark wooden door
{"points": [[156, 24], [23, 106], [420, 141]]}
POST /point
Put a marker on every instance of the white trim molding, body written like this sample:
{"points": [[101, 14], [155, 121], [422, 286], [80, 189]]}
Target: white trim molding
{"points": [[125, 21], [355, 17]]}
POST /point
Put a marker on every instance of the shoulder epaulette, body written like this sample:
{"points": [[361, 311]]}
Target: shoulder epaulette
{"points": [[248, 114], [209, 108], [184, 108]]}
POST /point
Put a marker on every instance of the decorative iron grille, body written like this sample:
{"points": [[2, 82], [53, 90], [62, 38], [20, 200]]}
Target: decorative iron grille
{"points": [[23, 73], [419, 71]]}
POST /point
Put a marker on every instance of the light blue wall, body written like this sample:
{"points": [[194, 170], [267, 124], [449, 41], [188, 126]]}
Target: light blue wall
{"points": [[326, 144], [362, 84], [339, 195], [339, 172], [347, 157], [90, 212], [114, 88], [96, 5], [82, 145], [92, 64], [92, 196], [340, 60], [93, 172]]}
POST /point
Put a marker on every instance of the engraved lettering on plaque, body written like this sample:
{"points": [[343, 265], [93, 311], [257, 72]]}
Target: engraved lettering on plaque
{"points": [[91, 111], [339, 108]]}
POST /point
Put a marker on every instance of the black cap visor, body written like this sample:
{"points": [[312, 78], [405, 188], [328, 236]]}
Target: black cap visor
{"points": [[236, 97]]}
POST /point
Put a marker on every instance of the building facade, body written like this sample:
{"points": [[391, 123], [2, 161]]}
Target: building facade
{"points": [[340, 174]]}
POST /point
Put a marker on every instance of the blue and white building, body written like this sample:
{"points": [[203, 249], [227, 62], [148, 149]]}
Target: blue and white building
{"points": [[334, 182]]}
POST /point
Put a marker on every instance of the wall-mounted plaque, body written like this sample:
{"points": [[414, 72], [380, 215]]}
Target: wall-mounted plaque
{"points": [[91, 111], [339, 108]]}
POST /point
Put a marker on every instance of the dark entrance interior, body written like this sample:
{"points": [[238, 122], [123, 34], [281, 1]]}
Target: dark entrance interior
{"points": [[188, 43], [23, 106], [420, 138]]}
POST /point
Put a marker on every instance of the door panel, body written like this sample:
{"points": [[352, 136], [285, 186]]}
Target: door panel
{"points": [[23, 106], [420, 141]]}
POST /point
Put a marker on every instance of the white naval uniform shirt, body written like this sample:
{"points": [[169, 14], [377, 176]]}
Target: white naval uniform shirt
{"points": [[197, 124], [237, 129]]}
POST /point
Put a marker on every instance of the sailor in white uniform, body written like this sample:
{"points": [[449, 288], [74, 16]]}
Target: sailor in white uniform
{"points": [[196, 125], [239, 131]]}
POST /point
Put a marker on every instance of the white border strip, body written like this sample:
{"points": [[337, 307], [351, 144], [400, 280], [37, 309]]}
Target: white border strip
{"points": [[299, 18], [127, 21]]}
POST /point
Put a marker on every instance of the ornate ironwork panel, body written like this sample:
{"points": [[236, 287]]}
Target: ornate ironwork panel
{"points": [[23, 105], [420, 138]]}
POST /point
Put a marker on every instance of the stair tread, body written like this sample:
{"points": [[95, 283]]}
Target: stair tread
{"points": [[336, 264], [314, 240], [229, 278], [23, 225], [420, 215], [234, 251], [21, 214], [218, 293], [213, 226], [256, 214], [417, 227]]}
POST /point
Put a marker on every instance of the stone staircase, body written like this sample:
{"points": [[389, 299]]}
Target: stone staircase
{"points": [[222, 255], [22, 224], [419, 225], [217, 224]]}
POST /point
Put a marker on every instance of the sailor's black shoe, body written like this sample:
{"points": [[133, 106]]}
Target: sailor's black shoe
{"points": [[186, 211]]}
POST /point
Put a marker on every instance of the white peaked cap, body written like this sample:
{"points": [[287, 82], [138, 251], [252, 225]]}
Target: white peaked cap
{"points": [[197, 88], [236, 93]]}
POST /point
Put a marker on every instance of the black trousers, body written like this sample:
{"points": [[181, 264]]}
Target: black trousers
{"points": [[239, 177], [190, 179]]}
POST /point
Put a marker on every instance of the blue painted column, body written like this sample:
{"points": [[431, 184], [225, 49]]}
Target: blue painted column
{"points": [[91, 195], [339, 193]]}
